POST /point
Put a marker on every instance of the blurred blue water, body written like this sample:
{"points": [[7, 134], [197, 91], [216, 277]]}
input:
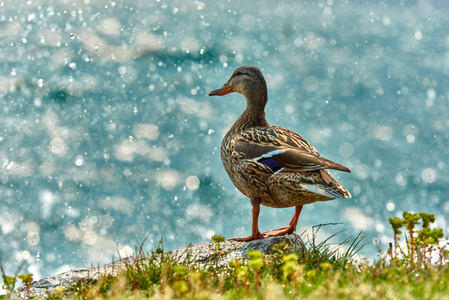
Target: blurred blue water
{"points": [[107, 132]]}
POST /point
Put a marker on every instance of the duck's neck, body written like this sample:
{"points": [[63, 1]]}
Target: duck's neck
{"points": [[254, 114]]}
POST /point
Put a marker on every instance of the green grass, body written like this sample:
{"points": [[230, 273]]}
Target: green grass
{"points": [[413, 271]]}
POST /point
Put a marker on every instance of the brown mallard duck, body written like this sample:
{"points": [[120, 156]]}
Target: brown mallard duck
{"points": [[271, 165]]}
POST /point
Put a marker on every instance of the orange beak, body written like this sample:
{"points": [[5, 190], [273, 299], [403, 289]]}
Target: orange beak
{"points": [[224, 90]]}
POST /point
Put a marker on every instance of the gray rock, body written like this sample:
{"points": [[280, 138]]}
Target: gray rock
{"points": [[200, 254]]}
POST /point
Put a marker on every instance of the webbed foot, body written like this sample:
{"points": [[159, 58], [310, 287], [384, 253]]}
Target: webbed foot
{"points": [[280, 231], [251, 237]]}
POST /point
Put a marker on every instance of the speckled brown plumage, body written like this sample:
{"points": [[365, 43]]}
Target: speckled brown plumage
{"points": [[271, 165]]}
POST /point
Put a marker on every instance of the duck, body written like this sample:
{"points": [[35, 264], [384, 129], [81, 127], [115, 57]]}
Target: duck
{"points": [[272, 166]]}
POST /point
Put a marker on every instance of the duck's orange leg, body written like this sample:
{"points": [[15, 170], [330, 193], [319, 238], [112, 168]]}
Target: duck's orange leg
{"points": [[288, 229], [255, 233]]}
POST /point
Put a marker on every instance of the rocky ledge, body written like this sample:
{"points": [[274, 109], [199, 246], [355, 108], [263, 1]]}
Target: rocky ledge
{"points": [[202, 254]]}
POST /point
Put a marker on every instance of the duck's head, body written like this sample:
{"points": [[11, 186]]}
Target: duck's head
{"points": [[248, 81]]}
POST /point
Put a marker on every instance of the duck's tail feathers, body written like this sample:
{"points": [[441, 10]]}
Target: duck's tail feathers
{"points": [[327, 191]]}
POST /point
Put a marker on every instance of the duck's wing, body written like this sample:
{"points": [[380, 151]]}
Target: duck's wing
{"points": [[280, 148]]}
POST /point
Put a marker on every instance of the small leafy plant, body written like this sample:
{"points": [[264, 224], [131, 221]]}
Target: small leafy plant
{"points": [[218, 238], [421, 244], [9, 282]]}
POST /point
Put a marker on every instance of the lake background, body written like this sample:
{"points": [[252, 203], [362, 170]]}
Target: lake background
{"points": [[107, 132]]}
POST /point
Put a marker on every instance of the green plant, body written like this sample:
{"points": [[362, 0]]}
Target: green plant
{"points": [[420, 243], [218, 238], [9, 282], [27, 280]]}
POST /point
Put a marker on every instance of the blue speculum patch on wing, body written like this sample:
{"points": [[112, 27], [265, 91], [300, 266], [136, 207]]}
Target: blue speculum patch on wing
{"points": [[269, 162]]}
